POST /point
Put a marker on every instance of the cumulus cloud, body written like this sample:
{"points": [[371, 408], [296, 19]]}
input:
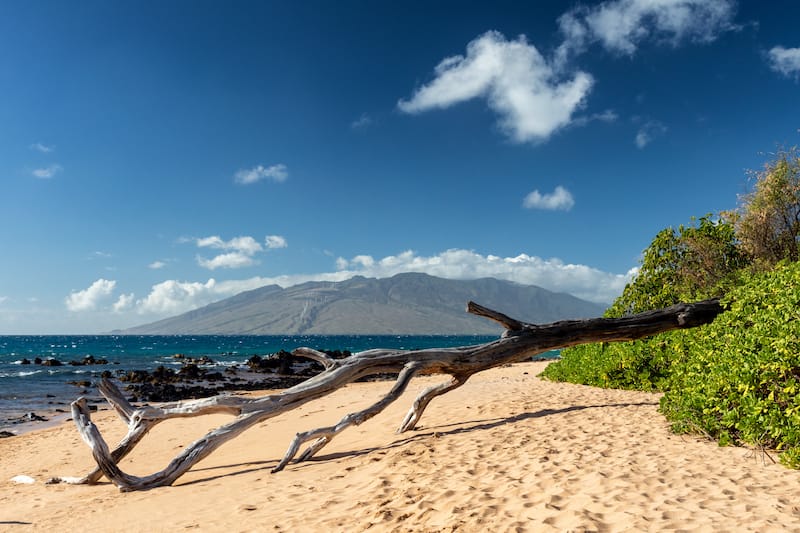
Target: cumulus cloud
{"points": [[46, 172], [552, 274], [535, 96], [559, 199], [275, 241], [648, 132], [123, 303], [239, 251], [89, 299], [157, 265], [172, 296], [43, 148], [227, 260], [620, 26], [531, 100], [277, 173], [245, 244], [785, 61]]}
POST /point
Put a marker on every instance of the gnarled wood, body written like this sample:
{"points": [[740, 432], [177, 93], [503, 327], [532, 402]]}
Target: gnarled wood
{"points": [[519, 342]]}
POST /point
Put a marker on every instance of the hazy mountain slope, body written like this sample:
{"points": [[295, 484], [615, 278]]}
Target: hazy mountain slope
{"points": [[404, 304]]}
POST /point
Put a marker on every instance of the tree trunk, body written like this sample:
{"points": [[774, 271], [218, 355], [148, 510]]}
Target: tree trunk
{"points": [[519, 342]]}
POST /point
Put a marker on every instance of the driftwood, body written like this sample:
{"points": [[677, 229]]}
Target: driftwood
{"points": [[519, 342]]}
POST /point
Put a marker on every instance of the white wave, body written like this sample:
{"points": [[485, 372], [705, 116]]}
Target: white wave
{"points": [[18, 374]]}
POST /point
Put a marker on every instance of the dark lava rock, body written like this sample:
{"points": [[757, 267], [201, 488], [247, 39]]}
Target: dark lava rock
{"points": [[135, 376], [89, 360], [190, 371], [29, 417], [338, 354]]}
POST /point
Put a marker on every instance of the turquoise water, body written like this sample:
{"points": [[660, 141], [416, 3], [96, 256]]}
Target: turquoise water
{"points": [[36, 388]]}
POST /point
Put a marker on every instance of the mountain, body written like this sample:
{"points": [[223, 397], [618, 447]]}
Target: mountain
{"points": [[411, 303]]}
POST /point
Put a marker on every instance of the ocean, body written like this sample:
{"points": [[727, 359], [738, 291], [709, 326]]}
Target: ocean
{"points": [[44, 390]]}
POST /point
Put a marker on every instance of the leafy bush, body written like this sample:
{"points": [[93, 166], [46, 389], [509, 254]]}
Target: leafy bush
{"points": [[639, 365], [739, 380], [767, 221], [736, 380], [689, 263]]}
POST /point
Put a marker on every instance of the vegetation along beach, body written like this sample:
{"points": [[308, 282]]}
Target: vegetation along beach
{"points": [[421, 267]]}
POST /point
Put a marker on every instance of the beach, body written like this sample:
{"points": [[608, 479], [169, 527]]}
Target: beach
{"points": [[505, 452]]}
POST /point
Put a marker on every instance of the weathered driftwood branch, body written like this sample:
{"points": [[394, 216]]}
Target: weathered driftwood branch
{"points": [[519, 342]]}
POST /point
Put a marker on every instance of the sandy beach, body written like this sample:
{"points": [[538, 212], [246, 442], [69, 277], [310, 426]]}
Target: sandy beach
{"points": [[506, 452]]}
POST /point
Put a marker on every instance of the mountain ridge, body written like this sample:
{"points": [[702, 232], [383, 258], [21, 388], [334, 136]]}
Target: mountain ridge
{"points": [[407, 303]]}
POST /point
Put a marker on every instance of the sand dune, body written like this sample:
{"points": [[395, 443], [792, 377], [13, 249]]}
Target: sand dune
{"points": [[506, 452]]}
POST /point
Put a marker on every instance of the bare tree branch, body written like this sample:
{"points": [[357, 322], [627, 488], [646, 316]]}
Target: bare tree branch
{"points": [[520, 342]]}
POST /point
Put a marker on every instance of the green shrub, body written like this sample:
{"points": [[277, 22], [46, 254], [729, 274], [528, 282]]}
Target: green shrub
{"points": [[639, 365], [689, 263], [739, 380], [736, 380]]}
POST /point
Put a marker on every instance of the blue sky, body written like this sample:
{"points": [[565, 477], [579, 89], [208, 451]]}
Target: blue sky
{"points": [[157, 156]]}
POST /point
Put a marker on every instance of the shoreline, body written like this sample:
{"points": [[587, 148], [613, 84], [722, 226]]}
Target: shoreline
{"points": [[62, 368], [507, 451]]}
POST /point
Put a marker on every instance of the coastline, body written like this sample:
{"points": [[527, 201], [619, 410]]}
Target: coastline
{"points": [[43, 373], [507, 451]]}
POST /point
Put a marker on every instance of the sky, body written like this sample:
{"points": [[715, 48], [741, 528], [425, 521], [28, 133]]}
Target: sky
{"points": [[156, 156]]}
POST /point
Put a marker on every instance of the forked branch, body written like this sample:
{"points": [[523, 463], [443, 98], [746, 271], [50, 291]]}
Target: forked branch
{"points": [[519, 342]]}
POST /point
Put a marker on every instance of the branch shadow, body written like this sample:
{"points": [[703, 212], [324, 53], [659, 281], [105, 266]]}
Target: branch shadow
{"points": [[460, 428], [419, 434], [15, 523]]}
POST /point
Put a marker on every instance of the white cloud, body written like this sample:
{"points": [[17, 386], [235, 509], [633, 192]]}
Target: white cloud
{"points": [[3, 299], [552, 274], [362, 122], [648, 132], [123, 303], [559, 199], [89, 299], [227, 260], [275, 241], [171, 297], [46, 172], [43, 148], [239, 251], [622, 25], [517, 82], [607, 116], [534, 96], [245, 244], [785, 60], [365, 261], [156, 265], [277, 173]]}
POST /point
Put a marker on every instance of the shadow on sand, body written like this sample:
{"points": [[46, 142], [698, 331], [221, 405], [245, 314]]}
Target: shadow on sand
{"points": [[419, 435]]}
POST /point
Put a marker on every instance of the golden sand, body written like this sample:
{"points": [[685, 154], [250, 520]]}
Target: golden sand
{"points": [[505, 452]]}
